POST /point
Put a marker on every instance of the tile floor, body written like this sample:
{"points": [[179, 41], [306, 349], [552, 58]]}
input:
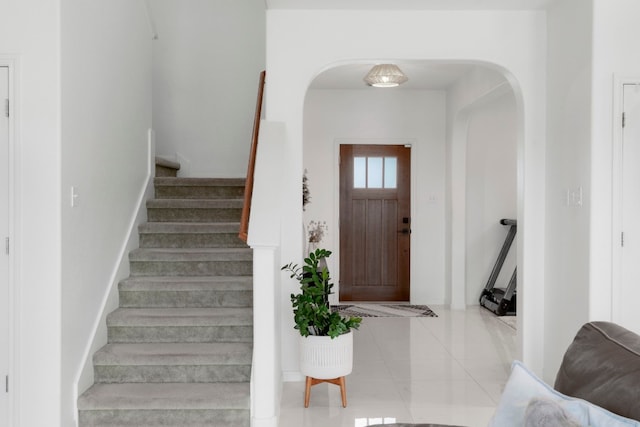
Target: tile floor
{"points": [[450, 369]]}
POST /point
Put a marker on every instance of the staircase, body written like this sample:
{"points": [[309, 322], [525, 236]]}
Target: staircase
{"points": [[179, 346]]}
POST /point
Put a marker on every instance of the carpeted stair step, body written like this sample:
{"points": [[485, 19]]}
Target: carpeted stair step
{"points": [[190, 235], [173, 363], [194, 210], [191, 262], [176, 325], [166, 167], [166, 404], [179, 346], [199, 188], [205, 291]]}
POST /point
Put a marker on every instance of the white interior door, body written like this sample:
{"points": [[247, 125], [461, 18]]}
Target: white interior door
{"points": [[627, 313], [4, 235]]}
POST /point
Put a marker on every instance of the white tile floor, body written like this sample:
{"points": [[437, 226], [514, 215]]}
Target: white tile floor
{"points": [[450, 369]]}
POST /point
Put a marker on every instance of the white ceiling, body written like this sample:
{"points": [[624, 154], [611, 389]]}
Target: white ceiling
{"points": [[422, 76], [410, 4]]}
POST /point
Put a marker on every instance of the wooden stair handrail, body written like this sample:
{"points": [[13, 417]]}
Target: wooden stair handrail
{"points": [[248, 187]]}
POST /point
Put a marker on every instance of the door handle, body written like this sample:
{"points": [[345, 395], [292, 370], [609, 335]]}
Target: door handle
{"points": [[405, 231]]}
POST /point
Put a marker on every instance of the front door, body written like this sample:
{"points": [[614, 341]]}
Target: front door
{"points": [[4, 242], [375, 223]]}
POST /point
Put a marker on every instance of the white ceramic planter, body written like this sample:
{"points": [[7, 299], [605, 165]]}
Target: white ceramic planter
{"points": [[325, 358]]}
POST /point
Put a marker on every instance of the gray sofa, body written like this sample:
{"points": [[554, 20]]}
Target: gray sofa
{"points": [[601, 366]]}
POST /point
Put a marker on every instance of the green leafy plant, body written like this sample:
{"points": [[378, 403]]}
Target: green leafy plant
{"points": [[311, 310]]}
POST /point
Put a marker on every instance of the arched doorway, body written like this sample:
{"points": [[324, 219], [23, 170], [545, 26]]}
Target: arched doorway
{"points": [[431, 114]]}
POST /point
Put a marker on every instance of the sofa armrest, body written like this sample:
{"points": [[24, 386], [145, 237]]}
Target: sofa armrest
{"points": [[602, 366]]}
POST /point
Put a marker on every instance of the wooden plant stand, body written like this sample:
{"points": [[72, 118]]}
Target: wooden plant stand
{"points": [[337, 381]]}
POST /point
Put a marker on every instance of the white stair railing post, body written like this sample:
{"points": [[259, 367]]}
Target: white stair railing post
{"points": [[265, 375], [264, 239]]}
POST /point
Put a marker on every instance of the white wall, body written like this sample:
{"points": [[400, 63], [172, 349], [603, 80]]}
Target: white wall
{"points": [[491, 192], [615, 31], [471, 93], [295, 55], [28, 36], [106, 114], [207, 62], [569, 160], [378, 116]]}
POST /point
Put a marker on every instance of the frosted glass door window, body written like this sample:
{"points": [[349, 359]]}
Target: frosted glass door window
{"points": [[390, 172], [375, 172], [359, 172]]}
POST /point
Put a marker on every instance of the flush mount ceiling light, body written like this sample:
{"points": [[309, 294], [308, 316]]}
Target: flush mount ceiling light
{"points": [[385, 75]]}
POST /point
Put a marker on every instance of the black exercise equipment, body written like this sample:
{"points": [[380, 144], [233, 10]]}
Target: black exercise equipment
{"points": [[501, 301]]}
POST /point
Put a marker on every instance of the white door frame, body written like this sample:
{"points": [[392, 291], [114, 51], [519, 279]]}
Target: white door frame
{"points": [[616, 192], [13, 384]]}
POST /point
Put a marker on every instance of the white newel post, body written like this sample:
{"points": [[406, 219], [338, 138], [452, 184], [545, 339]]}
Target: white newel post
{"points": [[265, 376], [264, 239]]}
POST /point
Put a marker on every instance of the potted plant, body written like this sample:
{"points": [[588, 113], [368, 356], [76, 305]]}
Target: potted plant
{"points": [[326, 344]]}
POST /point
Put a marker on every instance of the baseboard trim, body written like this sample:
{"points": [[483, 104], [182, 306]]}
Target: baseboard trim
{"points": [[292, 376], [264, 422]]}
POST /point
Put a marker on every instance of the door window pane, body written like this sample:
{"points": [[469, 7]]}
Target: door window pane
{"points": [[390, 172], [359, 172], [374, 172]]}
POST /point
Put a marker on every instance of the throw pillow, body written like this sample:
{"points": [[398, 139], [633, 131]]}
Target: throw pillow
{"points": [[543, 412], [523, 386]]}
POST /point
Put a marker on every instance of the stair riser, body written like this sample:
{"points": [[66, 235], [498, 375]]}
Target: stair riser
{"points": [[172, 374], [167, 417], [173, 334], [165, 171], [191, 268], [191, 240], [184, 299], [193, 215], [199, 192]]}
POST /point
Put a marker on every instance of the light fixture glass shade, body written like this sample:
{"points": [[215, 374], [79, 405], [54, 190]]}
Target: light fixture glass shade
{"points": [[385, 75]]}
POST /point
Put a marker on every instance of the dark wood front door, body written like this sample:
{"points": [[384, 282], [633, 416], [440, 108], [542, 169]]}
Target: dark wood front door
{"points": [[375, 222]]}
